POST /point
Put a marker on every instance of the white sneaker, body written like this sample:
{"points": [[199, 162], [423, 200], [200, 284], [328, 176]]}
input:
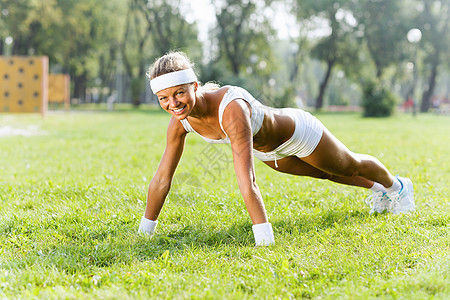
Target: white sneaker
{"points": [[379, 202], [403, 201]]}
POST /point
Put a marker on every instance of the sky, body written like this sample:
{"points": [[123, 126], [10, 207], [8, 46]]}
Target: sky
{"points": [[204, 15]]}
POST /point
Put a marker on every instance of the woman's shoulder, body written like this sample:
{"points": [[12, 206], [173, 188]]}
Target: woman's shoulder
{"points": [[218, 93], [176, 127], [223, 89]]}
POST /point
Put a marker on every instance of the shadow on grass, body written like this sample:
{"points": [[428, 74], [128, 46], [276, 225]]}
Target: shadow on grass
{"points": [[327, 219], [122, 245]]}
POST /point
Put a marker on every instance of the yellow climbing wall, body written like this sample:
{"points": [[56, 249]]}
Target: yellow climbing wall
{"points": [[23, 84], [59, 89]]}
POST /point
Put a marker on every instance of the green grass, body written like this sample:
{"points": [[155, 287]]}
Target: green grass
{"points": [[71, 201]]}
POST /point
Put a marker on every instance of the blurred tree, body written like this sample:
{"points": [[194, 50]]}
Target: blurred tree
{"points": [[170, 28], [385, 24], [243, 35], [242, 48], [110, 26], [340, 46], [28, 23], [93, 28], [378, 101], [153, 28], [434, 22], [42, 27], [136, 37]]}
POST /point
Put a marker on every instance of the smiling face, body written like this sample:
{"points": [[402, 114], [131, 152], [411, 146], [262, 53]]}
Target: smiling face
{"points": [[179, 101]]}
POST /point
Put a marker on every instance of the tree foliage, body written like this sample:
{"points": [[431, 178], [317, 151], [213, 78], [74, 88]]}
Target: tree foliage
{"points": [[242, 35], [385, 25], [339, 47], [434, 20], [99, 42], [378, 101], [153, 28]]}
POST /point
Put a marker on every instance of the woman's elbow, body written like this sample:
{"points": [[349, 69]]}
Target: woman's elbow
{"points": [[161, 184], [248, 186]]}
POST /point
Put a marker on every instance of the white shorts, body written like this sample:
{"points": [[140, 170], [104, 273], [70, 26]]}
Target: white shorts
{"points": [[307, 134]]}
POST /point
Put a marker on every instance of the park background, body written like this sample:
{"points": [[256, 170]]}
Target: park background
{"points": [[333, 54], [73, 183]]}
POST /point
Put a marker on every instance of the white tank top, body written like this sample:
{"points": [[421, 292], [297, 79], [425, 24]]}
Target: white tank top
{"points": [[234, 93]]}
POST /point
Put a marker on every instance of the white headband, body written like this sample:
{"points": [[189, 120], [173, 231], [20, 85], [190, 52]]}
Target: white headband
{"points": [[172, 79]]}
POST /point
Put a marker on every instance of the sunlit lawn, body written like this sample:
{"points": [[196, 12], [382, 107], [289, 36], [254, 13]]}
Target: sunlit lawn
{"points": [[72, 197]]}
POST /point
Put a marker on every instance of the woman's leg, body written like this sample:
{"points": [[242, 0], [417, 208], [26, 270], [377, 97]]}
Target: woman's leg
{"points": [[295, 166], [333, 157]]}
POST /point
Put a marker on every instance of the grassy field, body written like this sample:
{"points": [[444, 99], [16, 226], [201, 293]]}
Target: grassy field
{"points": [[72, 196]]}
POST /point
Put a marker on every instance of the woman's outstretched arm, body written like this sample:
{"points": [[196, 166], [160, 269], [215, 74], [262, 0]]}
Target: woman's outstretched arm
{"points": [[236, 123], [160, 184]]}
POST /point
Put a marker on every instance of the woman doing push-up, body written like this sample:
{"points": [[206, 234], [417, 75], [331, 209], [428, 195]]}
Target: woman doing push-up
{"points": [[288, 140]]}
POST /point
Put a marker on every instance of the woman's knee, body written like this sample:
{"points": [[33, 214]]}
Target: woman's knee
{"points": [[350, 166]]}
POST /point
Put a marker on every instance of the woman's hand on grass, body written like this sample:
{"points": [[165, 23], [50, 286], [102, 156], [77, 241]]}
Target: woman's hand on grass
{"points": [[147, 226]]}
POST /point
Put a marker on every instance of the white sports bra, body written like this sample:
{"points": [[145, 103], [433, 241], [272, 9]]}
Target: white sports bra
{"points": [[234, 93]]}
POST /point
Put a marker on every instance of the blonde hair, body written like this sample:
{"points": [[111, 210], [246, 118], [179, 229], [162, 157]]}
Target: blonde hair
{"points": [[176, 61], [171, 62]]}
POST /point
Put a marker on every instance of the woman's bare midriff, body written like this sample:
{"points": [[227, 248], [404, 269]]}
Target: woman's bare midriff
{"points": [[276, 129]]}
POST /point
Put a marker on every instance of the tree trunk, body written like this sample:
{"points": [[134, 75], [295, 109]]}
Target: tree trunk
{"points": [[295, 66], [79, 89], [426, 96], [323, 85], [379, 71], [235, 67], [137, 85]]}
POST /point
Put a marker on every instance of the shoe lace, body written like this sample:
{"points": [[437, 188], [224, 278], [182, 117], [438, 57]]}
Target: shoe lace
{"points": [[369, 200], [375, 198], [395, 201]]}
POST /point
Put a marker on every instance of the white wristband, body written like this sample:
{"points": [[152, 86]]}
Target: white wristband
{"points": [[263, 234], [147, 226]]}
